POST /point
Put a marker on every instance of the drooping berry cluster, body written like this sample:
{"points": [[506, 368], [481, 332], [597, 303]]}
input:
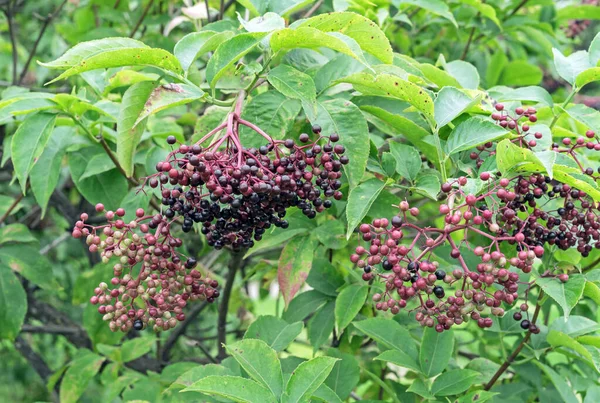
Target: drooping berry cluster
{"points": [[405, 256], [152, 283], [237, 193], [576, 27], [589, 142]]}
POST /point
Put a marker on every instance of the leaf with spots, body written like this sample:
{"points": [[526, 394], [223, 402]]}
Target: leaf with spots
{"points": [[294, 265], [365, 32], [392, 86], [168, 96]]}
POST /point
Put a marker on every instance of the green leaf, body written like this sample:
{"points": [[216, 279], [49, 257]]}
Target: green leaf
{"points": [[588, 353], [437, 7], [428, 184], [311, 38], [565, 294], [360, 200], [303, 305], [471, 133], [449, 104], [126, 78], [293, 83], [79, 374], [307, 378], [400, 359], [569, 67], [563, 388], [587, 76], [578, 12], [338, 67], [466, 74], [268, 22], [28, 143], [169, 96], [321, 325], [392, 86], [85, 50], [324, 277], [531, 93], [345, 374], [331, 234], [348, 304], [229, 52], [325, 394], [120, 57], [345, 119], [408, 160], [453, 382], [494, 68], [17, 233], [192, 46], [519, 73], [235, 388], [27, 261], [273, 112], [368, 35], [46, 170], [594, 50], [109, 187], [592, 394], [129, 131], [436, 351], [136, 348], [418, 387], [294, 265], [277, 333], [260, 362], [13, 304], [389, 334], [485, 10], [592, 291]]}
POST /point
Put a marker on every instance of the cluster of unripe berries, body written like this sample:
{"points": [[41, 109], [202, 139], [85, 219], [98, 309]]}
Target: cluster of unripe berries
{"points": [[404, 255], [576, 27], [152, 283], [238, 193]]}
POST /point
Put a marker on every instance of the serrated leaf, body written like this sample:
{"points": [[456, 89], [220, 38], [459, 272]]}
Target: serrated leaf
{"points": [[27, 261], [563, 388], [85, 50], [320, 326], [436, 351], [345, 119], [348, 304], [235, 388], [437, 7], [389, 334], [569, 67], [78, 376], [400, 359], [466, 74], [450, 103], [13, 304], [293, 83], [587, 76], [453, 382], [28, 143], [169, 96], [195, 44], [229, 52], [307, 378], [277, 333], [294, 265], [17, 233], [129, 131], [365, 32], [565, 294], [311, 38], [408, 160], [471, 133], [303, 305], [360, 200]]}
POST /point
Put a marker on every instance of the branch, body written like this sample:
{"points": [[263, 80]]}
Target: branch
{"points": [[11, 208], [8, 11], [515, 353], [49, 329], [234, 263], [180, 330], [517, 8], [142, 17], [312, 10], [36, 361], [45, 25]]}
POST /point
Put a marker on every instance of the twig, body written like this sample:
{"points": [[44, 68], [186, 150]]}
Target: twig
{"points": [[139, 23], [207, 11], [222, 9], [115, 161], [11, 208], [466, 49], [233, 266], [55, 243], [207, 353], [8, 11], [180, 330], [45, 25], [50, 329], [591, 265], [354, 396], [516, 9], [37, 362], [312, 10], [515, 353]]}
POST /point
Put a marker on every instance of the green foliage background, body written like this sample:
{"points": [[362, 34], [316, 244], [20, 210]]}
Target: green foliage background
{"points": [[407, 84]]}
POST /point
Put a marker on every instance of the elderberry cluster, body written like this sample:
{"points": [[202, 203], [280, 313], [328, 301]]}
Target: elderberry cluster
{"points": [[405, 256], [153, 294], [237, 193]]}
